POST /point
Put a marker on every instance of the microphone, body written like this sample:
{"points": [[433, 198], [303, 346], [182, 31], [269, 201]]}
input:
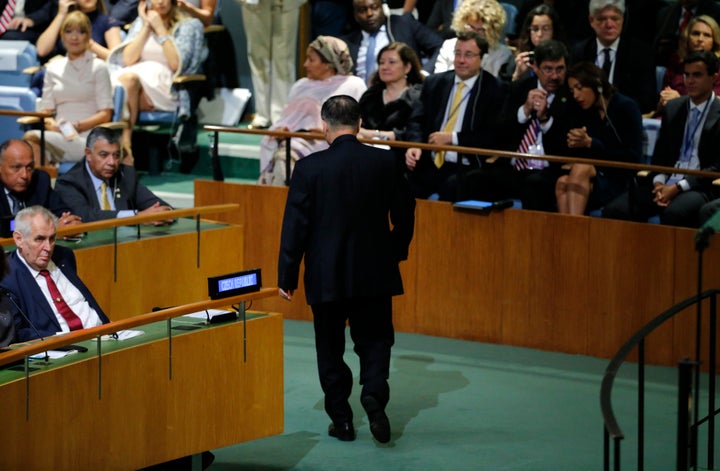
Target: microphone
{"points": [[7, 293], [710, 227]]}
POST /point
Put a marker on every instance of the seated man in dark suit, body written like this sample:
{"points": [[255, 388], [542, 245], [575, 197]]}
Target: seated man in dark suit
{"points": [[457, 107], [689, 139], [24, 186], [43, 281], [25, 23], [534, 121], [627, 62], [100, 187], [377, 31]]}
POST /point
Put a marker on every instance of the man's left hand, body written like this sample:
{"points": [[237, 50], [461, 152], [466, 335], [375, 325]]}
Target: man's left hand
{"points": [[286, 295], [441, 138]]}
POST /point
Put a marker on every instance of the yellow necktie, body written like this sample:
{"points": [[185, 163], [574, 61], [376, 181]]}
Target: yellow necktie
{"points": [[452, 119], [104, 203]]}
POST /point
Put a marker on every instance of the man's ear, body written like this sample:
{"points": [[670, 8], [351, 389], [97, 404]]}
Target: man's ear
{"points": [[17, 237], [88, 152]]}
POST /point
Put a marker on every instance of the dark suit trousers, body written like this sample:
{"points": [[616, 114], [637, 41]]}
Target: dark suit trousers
{"points": [[638, 205], [535, 188], [372, 332], [427, 179]]}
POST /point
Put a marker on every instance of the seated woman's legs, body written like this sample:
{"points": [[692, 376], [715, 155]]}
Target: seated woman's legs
{"points": [[572, 191], [34, 141], [137, 101]]}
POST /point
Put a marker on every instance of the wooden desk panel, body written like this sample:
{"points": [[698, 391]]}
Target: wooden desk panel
{"points": [[458, 261], [159, 271], [544, 285], [214, 399], [556, 282]]}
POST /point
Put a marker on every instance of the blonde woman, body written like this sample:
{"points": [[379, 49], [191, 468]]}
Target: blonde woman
{"points": [[486, 18], [701, 34], [162, 42], [77, 89]]}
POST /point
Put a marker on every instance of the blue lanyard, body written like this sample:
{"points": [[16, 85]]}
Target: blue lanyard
{"points": [[690, 136]]}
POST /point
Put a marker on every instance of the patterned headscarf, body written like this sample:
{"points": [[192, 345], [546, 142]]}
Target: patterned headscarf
{"points": [[335, 51]]}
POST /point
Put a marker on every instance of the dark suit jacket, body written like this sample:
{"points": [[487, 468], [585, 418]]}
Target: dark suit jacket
{"points": [[40, 11], [479, 123], [39, 192], [440, 19], [406, 29], [670, 139], [555, 140], [76, 189], [336, 215], [28, 296], [634, 69]]}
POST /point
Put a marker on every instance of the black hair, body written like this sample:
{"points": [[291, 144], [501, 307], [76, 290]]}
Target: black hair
{"points": [[341, 111], [551, 50], [481, 42]]}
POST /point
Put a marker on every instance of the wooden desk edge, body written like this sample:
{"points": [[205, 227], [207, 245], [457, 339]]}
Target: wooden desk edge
{"points": [[136, 220], [49, 343]]}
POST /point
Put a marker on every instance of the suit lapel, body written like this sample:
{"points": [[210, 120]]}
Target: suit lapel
{"points": [[37, 295]]}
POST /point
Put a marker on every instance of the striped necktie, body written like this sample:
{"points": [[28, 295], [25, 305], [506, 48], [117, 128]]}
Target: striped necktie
{"points": [[7, 15]]}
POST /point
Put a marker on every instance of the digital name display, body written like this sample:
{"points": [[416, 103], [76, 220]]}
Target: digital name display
{"points": [[233, 284]]}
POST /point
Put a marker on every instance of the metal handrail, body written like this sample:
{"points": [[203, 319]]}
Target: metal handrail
{"points": [[611, 427]]}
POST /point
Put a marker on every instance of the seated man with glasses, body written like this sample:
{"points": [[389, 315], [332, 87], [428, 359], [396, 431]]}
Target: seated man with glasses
{"points": [[534, 121], [458, 107]]}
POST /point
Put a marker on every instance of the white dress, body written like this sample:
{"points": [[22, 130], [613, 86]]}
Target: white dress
{"points": [[155, 75], [76, 90]]}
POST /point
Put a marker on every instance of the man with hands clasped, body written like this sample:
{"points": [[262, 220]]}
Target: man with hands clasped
{"points": [[100, 187], [688, 139]]}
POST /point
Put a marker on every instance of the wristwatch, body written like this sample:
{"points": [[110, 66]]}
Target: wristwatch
{"points": [[162, 39]]}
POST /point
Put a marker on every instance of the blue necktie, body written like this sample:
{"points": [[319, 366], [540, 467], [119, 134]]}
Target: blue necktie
{"points": [[690, 136], [370, 62]]}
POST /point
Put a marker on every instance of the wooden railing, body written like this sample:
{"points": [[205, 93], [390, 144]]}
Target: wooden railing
{"points": [[138, 220], [24, 350], [218, 174]]}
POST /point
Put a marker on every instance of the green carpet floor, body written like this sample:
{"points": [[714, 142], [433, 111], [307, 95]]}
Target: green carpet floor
{"points": [[459, 405]]}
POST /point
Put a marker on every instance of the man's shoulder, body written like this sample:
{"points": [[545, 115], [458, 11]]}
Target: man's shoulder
{"points": [[438, 78], [76, 173], [62, 254], [352, 37]]}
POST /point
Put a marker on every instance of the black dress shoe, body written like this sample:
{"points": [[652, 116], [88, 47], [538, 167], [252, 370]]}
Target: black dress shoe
{"points": [[345, 432], [379, 422]]}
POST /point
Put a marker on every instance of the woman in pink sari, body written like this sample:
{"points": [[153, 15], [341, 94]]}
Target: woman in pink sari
{"points": [[327, 67]]}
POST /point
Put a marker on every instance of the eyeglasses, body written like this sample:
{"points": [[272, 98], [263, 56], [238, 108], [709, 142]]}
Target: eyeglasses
{"points": [[467, 55], [480, 30], [547, 70], [543, 28]]}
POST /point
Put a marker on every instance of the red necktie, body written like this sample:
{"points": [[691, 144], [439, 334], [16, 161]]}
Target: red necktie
{"points": [[686, 19], [528, 141], [7, 15], [70, 317]]}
